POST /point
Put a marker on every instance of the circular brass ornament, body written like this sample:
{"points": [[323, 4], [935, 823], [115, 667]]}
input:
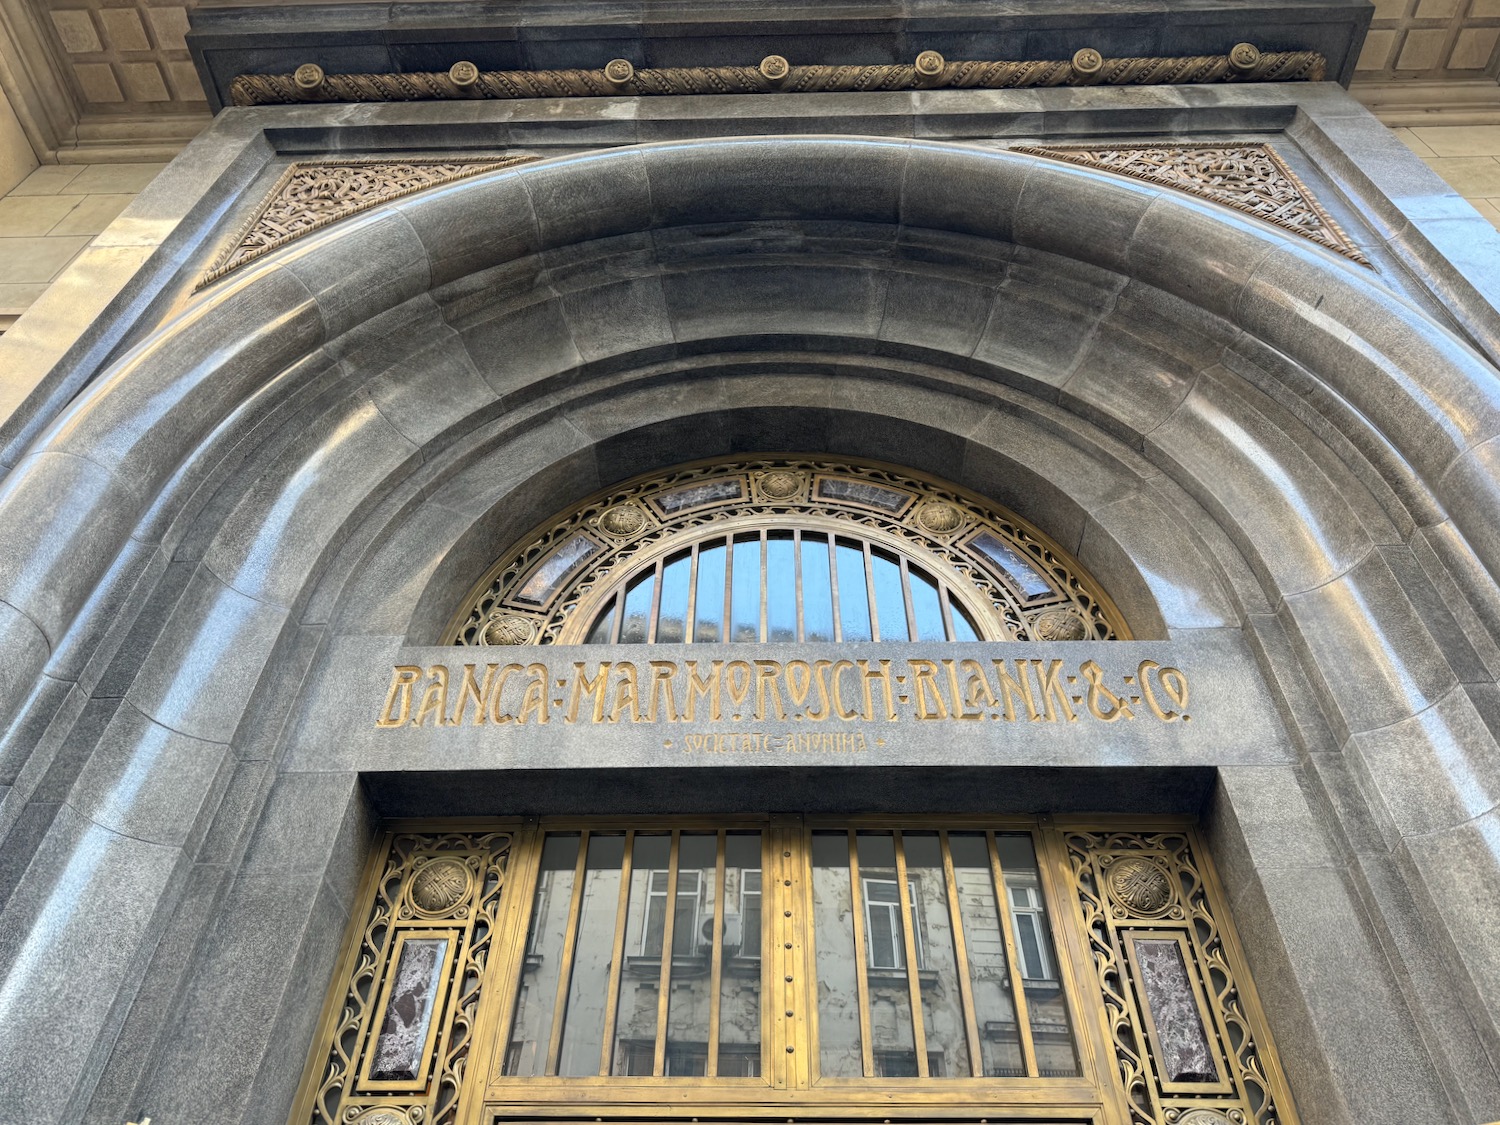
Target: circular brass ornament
{"points": [[1059, 625], [463, 74], [440, 886], [930, 64], [308, 76], [1243, 57], [1088, 61], [780, 486], [1139, 885], [619, 72], [379, 1117], [940, 518], [509, 630], [1204, 1117], [773, 68], [622, 519]]}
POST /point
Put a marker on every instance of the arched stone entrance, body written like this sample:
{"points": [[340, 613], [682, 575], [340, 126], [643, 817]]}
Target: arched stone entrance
{"points": [[1237, 433]]}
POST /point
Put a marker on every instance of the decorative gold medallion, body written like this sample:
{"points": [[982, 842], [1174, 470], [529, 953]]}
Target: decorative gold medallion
{"points": [[940, 518], [622, 519], [509, 630], [1205, 1117], [440, 886], [1059, 625], [378, 1117], [780, 486], [1139, 885]]}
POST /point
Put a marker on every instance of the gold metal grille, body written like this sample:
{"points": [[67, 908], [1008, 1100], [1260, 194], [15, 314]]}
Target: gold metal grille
{"points": [[999, 576], [1118, 930]]}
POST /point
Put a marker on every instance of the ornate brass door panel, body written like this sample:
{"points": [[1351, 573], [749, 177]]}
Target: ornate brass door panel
{"points": [[796, 969]]}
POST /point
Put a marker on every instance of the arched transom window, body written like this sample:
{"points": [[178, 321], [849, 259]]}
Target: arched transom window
{"points": [[785, 550]]}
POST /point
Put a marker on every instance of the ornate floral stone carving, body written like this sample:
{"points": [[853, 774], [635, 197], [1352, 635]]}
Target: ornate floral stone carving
{"points": [[1249, 178], [310, 196]]}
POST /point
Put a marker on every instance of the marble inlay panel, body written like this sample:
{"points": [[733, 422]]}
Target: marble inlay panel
{"points": [[408, 1011], [1183, 1052]]}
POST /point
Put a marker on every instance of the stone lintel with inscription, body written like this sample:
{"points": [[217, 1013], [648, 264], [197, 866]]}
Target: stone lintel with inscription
{"points": [[1196, 701]]}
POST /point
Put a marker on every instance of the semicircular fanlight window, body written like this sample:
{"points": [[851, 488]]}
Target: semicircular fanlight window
{"points": [[786, 550]]}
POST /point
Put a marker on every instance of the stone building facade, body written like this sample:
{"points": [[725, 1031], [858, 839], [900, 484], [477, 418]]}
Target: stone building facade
{"points": [[332, 467]]}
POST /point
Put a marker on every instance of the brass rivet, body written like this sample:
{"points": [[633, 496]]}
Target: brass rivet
{"points": [[463, 74], [1243, 57], [788, 1012], [786, 913], [786, 855], [789, 1050], [619, 72], [308, 76], [773, 68], [789, 980], [788, 945], [930, 64], [786, 882], [1087, 61]]}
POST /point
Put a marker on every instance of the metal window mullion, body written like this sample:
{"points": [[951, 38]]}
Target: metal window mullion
{"points": [[909, 941], [617, 957], [911, 606], [690, 625], [765, 608], [961, 957], [726, 631], [797, 579], [833, 586], [618, 603], [1017, 983], [565, 964], [870, 591], [945, 599], [716, 964], [669, 925], [861, 960], [653, 615]]}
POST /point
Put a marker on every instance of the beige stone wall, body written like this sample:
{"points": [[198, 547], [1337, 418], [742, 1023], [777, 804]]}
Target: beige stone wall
{"points": [[1467, 156], [16, 158]]}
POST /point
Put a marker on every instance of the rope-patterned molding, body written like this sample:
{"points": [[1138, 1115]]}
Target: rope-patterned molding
{"points": [[464, 80]]}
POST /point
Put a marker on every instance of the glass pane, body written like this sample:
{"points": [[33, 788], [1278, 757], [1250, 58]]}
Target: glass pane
{"points": [[854, 604], [781, 587], [640, 976], [1183, 1054], [532, 1027], [708, 606], [1010, 562], [408, 1013], [890, 606], [745, 604], [963, 624], [583, 1026], [1050, 1029], [603, 627], [739, 994], [833, 938], [817, 589], [891, 1037], [547, 578], [927, 604], [671, 617], [989, 975], [638, 610], [692, 955], [942, 1003]]}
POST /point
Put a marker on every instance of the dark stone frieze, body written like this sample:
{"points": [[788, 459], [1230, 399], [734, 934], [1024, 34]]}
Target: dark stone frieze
{"points": [[775, 75], [1249, 178], [311, 195]]}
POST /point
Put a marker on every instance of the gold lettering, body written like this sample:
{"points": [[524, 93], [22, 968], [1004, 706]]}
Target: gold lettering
{"points": [[1011, 689], [434, 697], [705, 686], [1172, 681], [534, 702], [978, 693], [627, 693], [596, 688], [498, 714], [839, 668], [738, 677], [823, 706], [799, 681], [1050, 680], [923, 681], [884, 676], [768, 671], [398, 700], [471, 689], [958, 698], [662, 674], [1103, 703]]}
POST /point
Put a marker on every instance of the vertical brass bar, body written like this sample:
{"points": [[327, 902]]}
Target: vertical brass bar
{"points": [[765, 608], [861, 959], [616, 959], [664, 993], [726, 629], [911, 604], [961, 957], [909, 942], [653, 617], [833, 586], [716, 964], [947, 603], [618, 621], [797, 572], [565, 963], [870, 593], [1017, 982], [794, 893], [690, 624]]}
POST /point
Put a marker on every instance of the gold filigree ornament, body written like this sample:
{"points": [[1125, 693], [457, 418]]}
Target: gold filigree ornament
{"points": [[1204, 1117], [376, 1116], [1139, 886], [509, 629], [1059, 625], [940, 518], [780, 485], [622, 520], [440, 887]]}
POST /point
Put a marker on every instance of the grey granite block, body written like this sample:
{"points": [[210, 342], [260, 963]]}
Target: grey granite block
{"points": [[781, 297], [597, 195], [360, 266], [1082, 214], [473, 224], [26, 651]]}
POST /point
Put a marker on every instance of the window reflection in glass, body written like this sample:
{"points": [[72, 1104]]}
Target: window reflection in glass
{"points": [[839, 1045], [537, 996], [1051, 1031], [583, 1025], [932, 924], [989, 971]]}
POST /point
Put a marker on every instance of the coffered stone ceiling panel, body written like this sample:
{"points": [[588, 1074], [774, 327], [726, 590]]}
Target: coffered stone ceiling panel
{"points": [[125, 58], [1432, 39]]}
